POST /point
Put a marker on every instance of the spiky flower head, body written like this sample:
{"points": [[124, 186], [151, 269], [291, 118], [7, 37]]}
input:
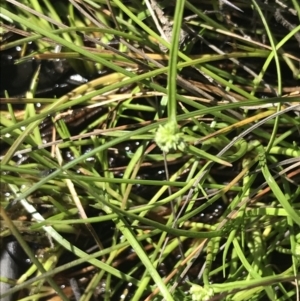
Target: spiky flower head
{"points": [[200, 293], [168, 137]]}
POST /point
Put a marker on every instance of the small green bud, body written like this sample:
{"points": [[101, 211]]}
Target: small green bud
{"points": [[200, 293], [169, 138]]}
